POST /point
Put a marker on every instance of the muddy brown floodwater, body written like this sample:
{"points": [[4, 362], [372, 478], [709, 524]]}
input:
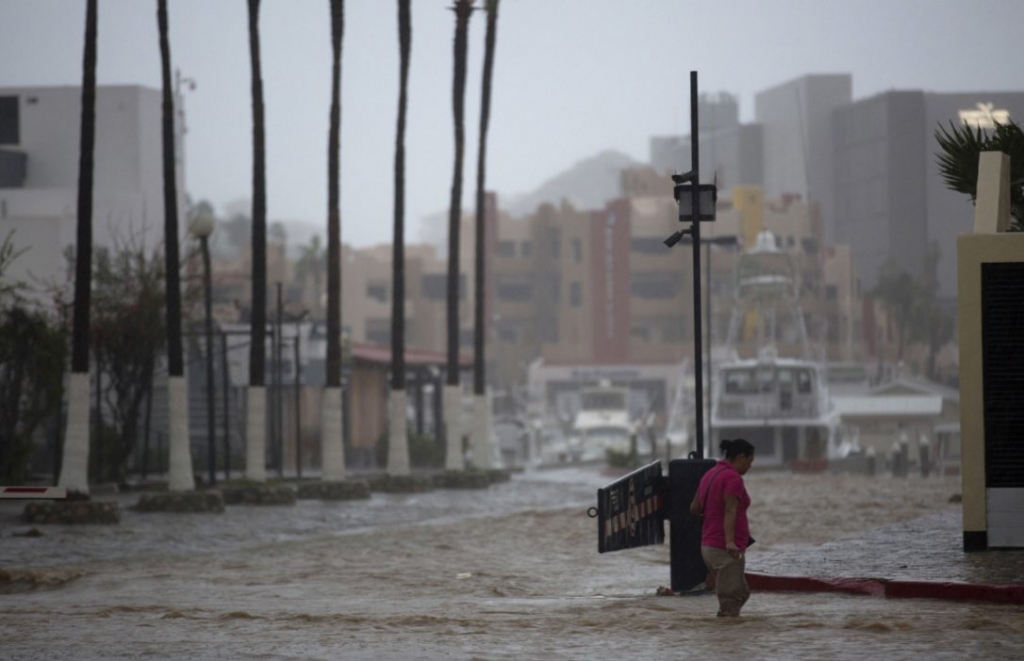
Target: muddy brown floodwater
{"points": [[510, 573]]}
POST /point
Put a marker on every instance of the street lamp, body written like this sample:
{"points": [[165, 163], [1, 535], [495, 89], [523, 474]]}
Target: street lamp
{"points": [[201, 227]]}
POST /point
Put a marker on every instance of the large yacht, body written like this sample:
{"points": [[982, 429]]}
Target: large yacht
{"points": [[778, 403]]}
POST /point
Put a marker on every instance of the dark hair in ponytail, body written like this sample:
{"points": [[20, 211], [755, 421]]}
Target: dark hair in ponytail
{"points": [[736, 447]]}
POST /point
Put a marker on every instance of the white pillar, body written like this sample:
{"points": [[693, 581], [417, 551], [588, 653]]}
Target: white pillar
{"points": [[74, 469], [332, 429], [398, 441], [179, 474], [454, 460], [256, 434], [992, 201], [481, 432]]}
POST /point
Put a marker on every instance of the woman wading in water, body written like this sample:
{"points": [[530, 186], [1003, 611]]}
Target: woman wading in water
{"points": [[722, 500]]}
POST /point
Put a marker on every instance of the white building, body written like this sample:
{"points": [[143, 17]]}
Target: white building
{"points": [[39, 169]]}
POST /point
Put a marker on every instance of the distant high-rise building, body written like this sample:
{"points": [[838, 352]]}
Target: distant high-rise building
{"points": [[890, 200], [796, 124], [730, 152]]}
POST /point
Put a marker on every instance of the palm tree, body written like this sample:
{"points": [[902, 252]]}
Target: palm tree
{"points": [[398, 442], [332, 424], [958, 161], [179, 476], [256, 422], [75, 462], [452, 404], [897, 290], [481, 405]]}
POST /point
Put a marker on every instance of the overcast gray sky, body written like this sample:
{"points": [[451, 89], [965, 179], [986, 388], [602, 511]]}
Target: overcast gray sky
{"points": [[572, 78]]}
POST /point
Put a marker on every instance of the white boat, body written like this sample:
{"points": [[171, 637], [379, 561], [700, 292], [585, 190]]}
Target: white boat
{"points": [[603, 424], [780, 404]]}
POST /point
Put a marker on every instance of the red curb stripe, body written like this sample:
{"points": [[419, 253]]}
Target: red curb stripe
{"points": [[24, 489], [1003, 594]]}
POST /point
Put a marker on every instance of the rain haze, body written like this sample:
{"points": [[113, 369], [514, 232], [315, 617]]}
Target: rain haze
{"points": [[573, 78]]}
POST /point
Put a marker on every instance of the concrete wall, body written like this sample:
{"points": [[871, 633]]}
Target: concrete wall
{"points": [[991, 517]]}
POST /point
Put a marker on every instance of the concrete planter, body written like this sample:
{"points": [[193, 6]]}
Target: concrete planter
{"points": [[258, 494], [463, 480], [344, 490], [181, 501], [415, 483], [73, 512]]}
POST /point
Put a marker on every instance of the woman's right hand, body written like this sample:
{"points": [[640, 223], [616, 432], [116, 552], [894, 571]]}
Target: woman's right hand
{"points": [[733, 550]]}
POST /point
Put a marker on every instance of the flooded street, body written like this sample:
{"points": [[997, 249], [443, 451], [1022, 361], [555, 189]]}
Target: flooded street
{"points": [[507, 573]]}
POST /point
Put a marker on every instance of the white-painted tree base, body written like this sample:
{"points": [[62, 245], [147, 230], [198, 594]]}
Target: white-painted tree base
{"points": [[179, 472], [256, 434], [452, 401], [483, 456], [332, 426], [74, 469], [398, 441]]}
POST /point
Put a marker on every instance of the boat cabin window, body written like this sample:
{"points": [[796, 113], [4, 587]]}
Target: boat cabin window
{"points": [[765, 379], [803, 381], [740, 382], [603, 400]]}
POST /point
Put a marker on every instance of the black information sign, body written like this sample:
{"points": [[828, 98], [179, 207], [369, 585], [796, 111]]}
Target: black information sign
{"points": [[631, 510]]}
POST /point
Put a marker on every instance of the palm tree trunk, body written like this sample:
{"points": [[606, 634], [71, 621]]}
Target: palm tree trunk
{"points": [[481, 402], [398, 442], [179, 476], [75, 463], [452, 405], [256, 402], [332, 424]]}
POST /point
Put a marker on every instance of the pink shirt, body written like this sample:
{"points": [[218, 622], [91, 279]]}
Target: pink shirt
{"points": [[721, 480]]}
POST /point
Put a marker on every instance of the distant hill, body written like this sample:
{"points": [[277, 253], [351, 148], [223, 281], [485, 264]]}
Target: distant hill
{"points": [[586, 185]]}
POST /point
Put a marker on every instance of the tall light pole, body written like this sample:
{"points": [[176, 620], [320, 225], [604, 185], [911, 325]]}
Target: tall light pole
{"points": [[696, 204], [202, 227]]}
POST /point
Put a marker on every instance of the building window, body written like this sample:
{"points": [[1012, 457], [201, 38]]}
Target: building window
{"points": [[9, 124], [577, 251], [378, 331], [526, 249], [673, 329], [547, 329], [575, 294], [641, 332], [506, 249], [507, 328], [554, 287], [556, 243], [377, 291], [435, 286], [831, 292], [513, 287], [649, 245], [654, 285]]}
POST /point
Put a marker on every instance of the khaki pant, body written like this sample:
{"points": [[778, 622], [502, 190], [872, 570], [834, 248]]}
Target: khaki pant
{"points": [[731, 584]]}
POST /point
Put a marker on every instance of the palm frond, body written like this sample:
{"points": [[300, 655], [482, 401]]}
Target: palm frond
{"points": [[960, 148]]}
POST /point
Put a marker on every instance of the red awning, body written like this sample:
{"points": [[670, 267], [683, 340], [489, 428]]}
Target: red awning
{"points": [[379, 354]]}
